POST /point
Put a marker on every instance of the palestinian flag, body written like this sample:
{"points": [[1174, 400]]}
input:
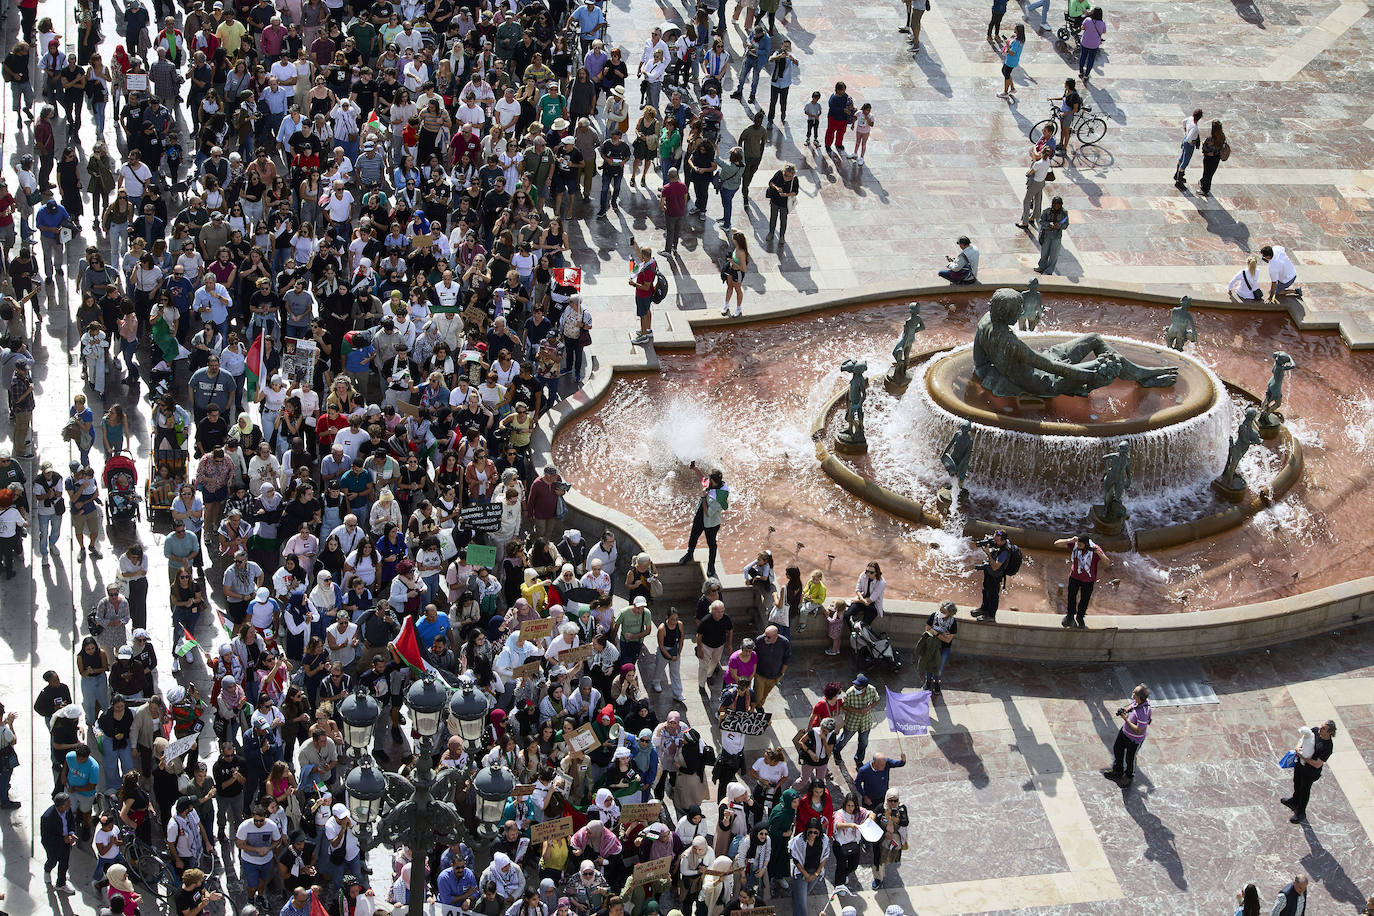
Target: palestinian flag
{"points": [[568, 276], [224, 624], [407, 646], [164, 340], [187, 645], [254, 369], [317, 908]]}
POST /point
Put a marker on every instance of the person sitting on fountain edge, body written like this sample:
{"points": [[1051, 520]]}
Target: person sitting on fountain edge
{"points": [[998, 549], [963, 267]]}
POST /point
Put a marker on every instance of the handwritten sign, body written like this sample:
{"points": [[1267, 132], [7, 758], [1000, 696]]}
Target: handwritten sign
{"points": [[536, 629], [136, 82], [520, 791], [645, 813], [551, 830], [582, 739], [651, 871], [482, 517], [527, 670], [576, 655], [180, 746], [754, 722], [475, 315]]}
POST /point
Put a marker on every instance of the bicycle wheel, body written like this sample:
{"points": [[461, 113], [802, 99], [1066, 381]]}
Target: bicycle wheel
{"points": [[1035, 131], [1092, 130], [155, 874]]}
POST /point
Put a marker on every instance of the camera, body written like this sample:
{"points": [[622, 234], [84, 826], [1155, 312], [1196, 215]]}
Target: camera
{"points": [[986, 542]]}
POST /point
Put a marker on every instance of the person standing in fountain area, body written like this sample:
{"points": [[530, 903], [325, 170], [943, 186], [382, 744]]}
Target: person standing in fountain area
{"points": [[1053, 222], [714, 500], [994, 572], [1135, 720], [1313, 750], [963, 267], [1086, 560]]}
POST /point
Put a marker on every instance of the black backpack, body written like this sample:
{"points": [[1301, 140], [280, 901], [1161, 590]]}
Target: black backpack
{"points": [[1013, 564], [660, 291]]}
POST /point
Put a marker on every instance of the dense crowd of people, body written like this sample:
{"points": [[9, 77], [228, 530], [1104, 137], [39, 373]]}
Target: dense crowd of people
{"points": [[331, 242]]}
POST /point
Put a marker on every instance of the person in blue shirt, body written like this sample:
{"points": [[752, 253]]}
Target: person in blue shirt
{"points": [[83, 779], [51, 218], [179, 292], [456, 884], [591, 24], [358, 361], [872, 779], [431, 625], [756, 54], [213, 303]]}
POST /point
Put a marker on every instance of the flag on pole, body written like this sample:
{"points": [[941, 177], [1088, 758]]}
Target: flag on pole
{"points": [[187, 645], [908, 713], [568, 276], [407, 646], [255, 365], [317, 908]]}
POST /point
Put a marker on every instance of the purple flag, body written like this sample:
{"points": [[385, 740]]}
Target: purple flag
{"points": [[909, 713]]}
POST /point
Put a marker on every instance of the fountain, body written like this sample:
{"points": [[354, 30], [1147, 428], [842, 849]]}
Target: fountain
{"points": [[1101, 426]]}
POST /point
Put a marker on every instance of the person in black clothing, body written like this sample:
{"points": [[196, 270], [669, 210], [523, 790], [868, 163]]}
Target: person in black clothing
{"points": [[52, 697], [230, 783], [782, 188], [378, 680], [1308, 769], [715, 633], [57, 831], [615, 152], [192, 897], [999, 553]]}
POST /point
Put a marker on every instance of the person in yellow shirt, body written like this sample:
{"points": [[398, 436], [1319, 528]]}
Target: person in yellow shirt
{"points": [[230, 34], [813, 595]]}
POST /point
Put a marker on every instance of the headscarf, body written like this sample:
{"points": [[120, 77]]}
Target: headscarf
{"points": [[782, 816], [118, 876], [323, 596], [606, 808], [643, 752]]}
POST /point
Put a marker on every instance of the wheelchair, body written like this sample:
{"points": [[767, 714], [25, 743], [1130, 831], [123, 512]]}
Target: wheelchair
{"points": [[1071, 33]]}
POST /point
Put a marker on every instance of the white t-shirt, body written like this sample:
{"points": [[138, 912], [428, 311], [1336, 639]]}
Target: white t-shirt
{"points": [[507, 113], [352, 441], [104, 835], [332, 829], [262, 613], [266, 835], [339, 208], [184, 832], [135, 178], [770, 771]]}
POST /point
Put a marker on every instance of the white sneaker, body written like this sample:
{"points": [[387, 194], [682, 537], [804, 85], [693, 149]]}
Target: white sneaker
{"points": [[860, 160], [658, 688], [739, 313], [725, 311]]}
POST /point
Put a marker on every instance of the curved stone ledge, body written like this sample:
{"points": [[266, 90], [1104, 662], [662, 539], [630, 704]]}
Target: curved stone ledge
{"points": [[1015, 635]]}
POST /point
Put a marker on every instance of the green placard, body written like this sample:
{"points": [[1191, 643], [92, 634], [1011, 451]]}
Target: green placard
{"points": [[480, 555]]}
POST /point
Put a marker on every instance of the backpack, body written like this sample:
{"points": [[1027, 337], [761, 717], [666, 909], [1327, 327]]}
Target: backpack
{"points": [[660, 291], [1013, 565]]}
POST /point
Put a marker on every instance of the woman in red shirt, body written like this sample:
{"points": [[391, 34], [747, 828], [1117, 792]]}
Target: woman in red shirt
{"points": [[829, 706], [816, 803]]}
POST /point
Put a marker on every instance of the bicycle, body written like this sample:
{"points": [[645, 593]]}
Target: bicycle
{"points": [[1088, 130]]}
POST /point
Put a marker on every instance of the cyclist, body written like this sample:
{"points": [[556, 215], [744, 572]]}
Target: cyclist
{"points": [[1070, 104]]}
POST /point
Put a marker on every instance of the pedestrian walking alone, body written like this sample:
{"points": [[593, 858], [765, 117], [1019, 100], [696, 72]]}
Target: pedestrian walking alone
{"points": [[1135, 721], [782, 195], [1086, 561], [783, 71], [1215, 151], [1313, 750], [1090, 42], [999, 9], [1011, 59], [1191, 141], [1053, 222], [733, 273]]}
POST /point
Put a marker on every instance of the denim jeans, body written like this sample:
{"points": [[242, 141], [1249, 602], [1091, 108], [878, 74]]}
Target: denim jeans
{"points": [[115, 765], [801, 889], [95, 694], [21, 93], [1185, 156], [49, 530], [860, 752], [1044, 7], [755, 66], [727, 200], [610, 188]]}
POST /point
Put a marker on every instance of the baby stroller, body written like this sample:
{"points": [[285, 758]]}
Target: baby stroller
{"points": [[711, 115], [679, 72], [872, 645], [120, 477]]}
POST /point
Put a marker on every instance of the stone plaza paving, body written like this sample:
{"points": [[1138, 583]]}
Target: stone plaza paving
{"points": [[1010, 814]]}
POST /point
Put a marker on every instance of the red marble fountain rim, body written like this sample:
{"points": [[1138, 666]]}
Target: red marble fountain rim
{"points": [[1117, 409]]}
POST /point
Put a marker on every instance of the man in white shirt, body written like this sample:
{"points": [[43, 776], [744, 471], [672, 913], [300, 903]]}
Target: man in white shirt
{"points": [[447, 291], [352, 438], [655, 43], [339, 206], [417, 72], [507, 110], [470, 112], [408, 39], [186, 836], [134, 177], [257, 839], [1282, 274], [1185, 156]]}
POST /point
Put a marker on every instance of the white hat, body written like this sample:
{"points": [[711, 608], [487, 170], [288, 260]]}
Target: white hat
{"points": [[263, 594], [339, 811], [140, 633], [641, 601]]}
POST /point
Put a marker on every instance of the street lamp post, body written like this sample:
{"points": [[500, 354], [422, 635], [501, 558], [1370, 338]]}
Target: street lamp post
{"points": [[423, 814]]}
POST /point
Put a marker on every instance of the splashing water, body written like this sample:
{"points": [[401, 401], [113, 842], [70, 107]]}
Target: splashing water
{"points": [[1359, 418]]}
